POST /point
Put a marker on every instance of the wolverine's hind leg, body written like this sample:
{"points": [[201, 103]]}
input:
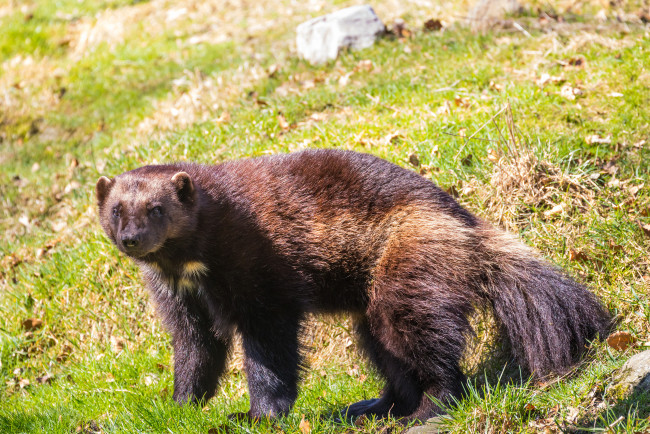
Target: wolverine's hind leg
{"points": [[414, 332], [402, 393]]}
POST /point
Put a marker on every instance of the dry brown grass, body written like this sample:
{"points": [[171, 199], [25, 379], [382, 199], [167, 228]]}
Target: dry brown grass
{"points": [[197, 98], [522, 182], [28, 87]]}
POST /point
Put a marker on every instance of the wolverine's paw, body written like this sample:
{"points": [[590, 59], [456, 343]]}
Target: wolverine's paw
{"points": [[361, 407], [355, 410]]}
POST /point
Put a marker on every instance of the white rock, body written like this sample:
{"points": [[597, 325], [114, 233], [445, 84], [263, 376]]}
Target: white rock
{"points": [[634, 376], [320, 39]]}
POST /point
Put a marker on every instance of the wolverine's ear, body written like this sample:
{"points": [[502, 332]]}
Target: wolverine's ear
{"points": [[102, 188], [184, 186]]}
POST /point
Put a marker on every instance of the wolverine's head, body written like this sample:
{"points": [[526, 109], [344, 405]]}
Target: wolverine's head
{"points": [[140, 210]]}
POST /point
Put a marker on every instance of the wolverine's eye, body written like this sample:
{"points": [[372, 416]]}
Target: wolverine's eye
{"points": [[116, 212], [156, 211]]}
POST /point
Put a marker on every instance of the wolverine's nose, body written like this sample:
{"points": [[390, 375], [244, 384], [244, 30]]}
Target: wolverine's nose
{"points": [[130, 241]]}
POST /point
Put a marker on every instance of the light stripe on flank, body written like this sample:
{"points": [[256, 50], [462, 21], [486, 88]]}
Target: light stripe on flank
{"points": [[194, 270]]}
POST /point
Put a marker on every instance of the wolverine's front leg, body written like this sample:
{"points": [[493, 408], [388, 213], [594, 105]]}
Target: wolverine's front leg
{"points": [[199, 355], [272, 352], [199, 361]]}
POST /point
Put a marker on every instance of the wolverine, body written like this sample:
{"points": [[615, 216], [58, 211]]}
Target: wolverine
{"points": [[250, 247]]}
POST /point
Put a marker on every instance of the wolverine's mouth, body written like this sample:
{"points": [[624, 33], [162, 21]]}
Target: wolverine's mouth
{"points": [[139, 251]]}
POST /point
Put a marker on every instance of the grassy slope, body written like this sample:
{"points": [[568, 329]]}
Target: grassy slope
{"points": [[101, 359]]}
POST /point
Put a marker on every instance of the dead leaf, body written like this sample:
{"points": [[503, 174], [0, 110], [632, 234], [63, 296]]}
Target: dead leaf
{"points": [[462, 101], [364, 65], [492, 155], [620, 340], [74, 185], [362, 378], [65, 353], [578, 61], [432, 24], [223, 118], [399, 29], [614, 246], [282, 122], [467, 191], [23, 382], [256, 97], [634, 189], [361, 421], [610, 167], [117, 344], [391, 138], [273, 70], [595, 138], [58, 226], [452, 191], [305, 426], [414, 160], [645, 228], [31, 324], [150, 379], [495, 86], [90, 427], [45, 379], [557, 209], [24, 220], [548, 78], [569, 92], [577, 256], [345, 79], [572, 414], [614, 183], [444, 109]]}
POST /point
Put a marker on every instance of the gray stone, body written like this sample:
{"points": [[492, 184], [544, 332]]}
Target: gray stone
{"points": [[435, 425], [486, 13], [634, 376], [320, 39]]}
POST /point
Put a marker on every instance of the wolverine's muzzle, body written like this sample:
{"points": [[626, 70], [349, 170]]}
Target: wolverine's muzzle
{"points": [[130, 241]]}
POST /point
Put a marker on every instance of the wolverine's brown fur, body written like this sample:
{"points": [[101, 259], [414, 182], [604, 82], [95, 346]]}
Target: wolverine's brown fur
{"points": [[253, 245]]}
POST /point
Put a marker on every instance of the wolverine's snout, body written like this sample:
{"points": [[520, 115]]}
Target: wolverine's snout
{"points": [[130, 241]]}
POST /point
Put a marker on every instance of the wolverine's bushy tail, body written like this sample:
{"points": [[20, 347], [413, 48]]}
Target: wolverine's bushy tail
{"points": [[548, 317]]}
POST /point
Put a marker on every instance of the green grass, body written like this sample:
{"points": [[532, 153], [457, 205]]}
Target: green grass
{"points": [[104, 354]]}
